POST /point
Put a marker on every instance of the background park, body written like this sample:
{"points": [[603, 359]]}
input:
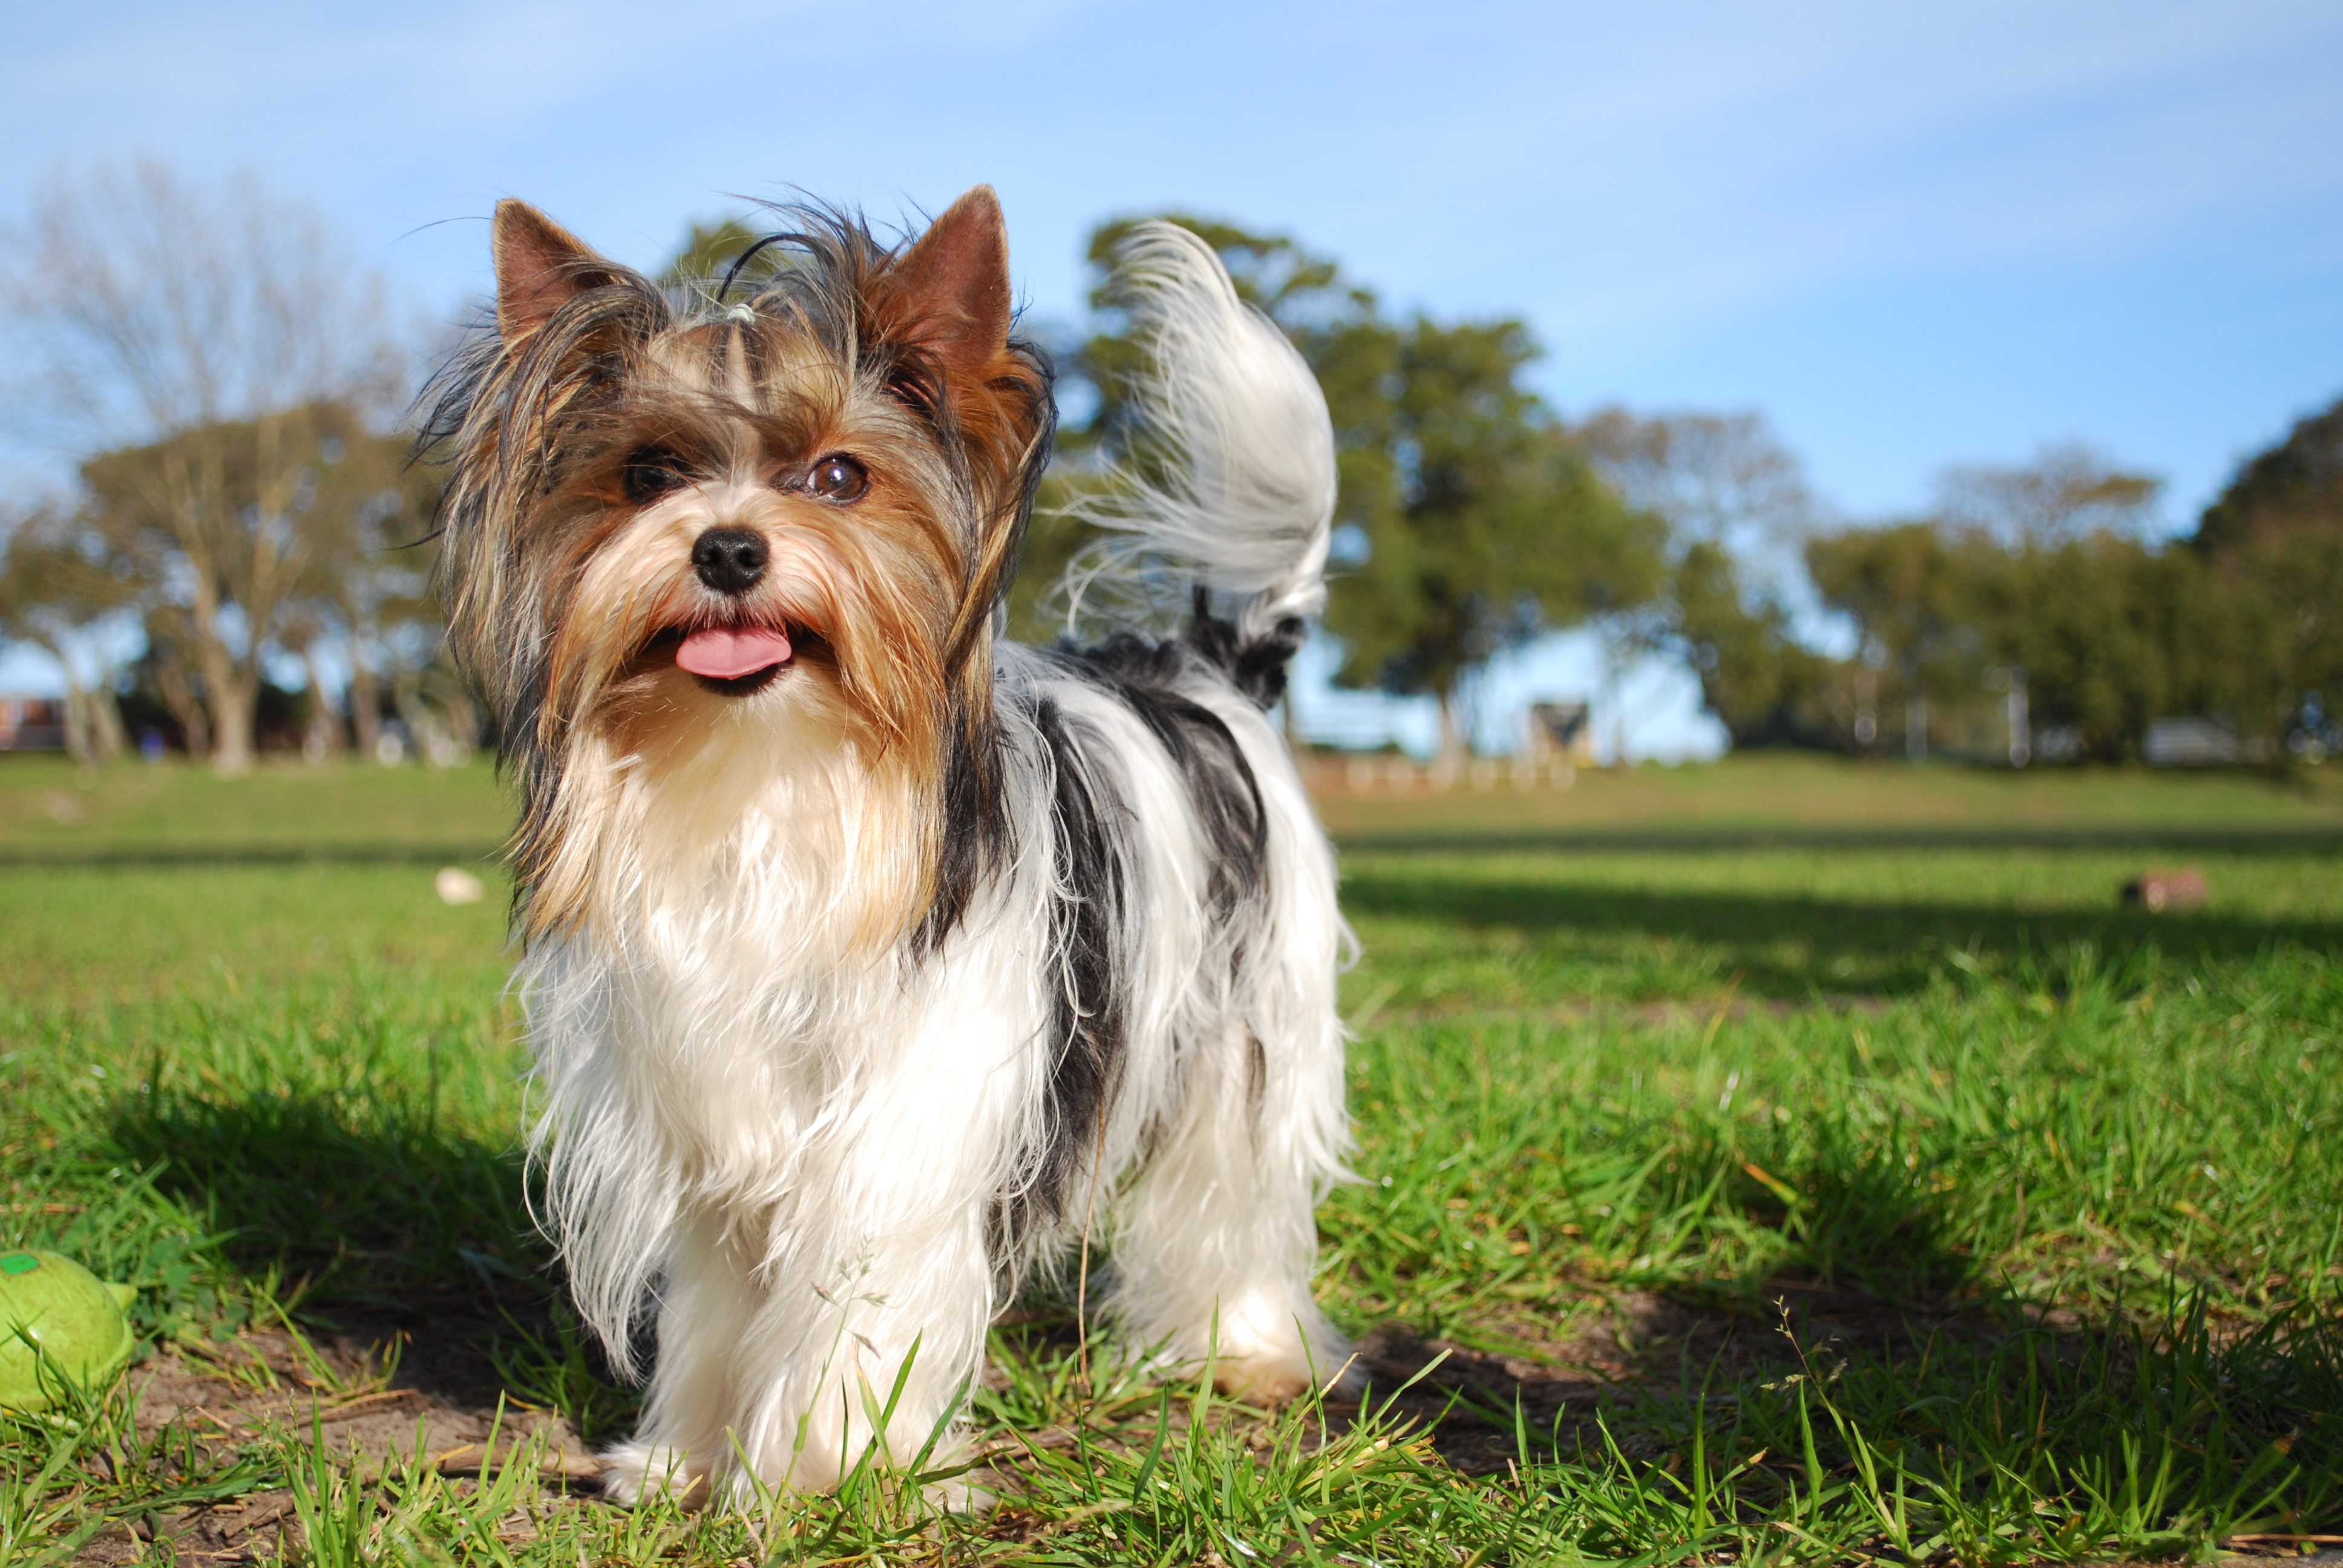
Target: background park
{"points": [[1804, 1151]]}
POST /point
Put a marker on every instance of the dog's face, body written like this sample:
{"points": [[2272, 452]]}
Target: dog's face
{"points": [[795, 511]]}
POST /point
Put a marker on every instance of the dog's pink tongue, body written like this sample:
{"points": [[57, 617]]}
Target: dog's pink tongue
{"points": [[723, 653]]}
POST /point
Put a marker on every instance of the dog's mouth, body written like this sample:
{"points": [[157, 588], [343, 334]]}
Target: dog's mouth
{"points": [[732, 660]]}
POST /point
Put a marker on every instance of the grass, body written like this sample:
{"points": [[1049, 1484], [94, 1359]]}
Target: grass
{"points": [[1870, 1200], [1791, 797]]}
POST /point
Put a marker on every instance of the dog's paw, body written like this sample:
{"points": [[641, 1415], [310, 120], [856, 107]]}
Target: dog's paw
{"points": [[1259, 1382], [634, 1471], [1282, 1379], [1270, 1355]]}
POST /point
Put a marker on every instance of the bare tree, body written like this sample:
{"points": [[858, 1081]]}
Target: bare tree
{"points": [[1721, 482], [199, 347], [2067, 493], [1717, 479]]}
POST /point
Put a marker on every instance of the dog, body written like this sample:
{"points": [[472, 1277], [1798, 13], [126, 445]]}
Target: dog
{"points": [[873, 962]]}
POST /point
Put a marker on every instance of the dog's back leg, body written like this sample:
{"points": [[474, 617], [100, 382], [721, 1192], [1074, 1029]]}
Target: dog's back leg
{"points": [[1217, 1227], [1215, 1240]]}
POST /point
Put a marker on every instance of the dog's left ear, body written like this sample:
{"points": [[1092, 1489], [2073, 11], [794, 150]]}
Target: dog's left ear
{"points": [[955, 285]]}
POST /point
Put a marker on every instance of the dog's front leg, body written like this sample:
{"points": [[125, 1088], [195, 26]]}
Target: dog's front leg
{"points": [[867, 1362], [708, 1300], [772, 1377]]}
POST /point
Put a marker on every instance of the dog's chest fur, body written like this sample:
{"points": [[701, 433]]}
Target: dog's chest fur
{"points": [[727, 986]]}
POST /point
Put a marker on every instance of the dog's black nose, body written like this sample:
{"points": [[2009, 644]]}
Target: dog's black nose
{"points": [[729, 560]]}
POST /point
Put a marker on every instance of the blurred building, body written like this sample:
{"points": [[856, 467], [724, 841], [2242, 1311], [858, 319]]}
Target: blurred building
{"points": [[32, 724]]}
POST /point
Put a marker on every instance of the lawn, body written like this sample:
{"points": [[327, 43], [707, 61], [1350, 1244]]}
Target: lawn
{"points": [[1780, 1160]]}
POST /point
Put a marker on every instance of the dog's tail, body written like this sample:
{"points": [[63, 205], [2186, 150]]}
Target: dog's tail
{"points": [[1227, 482]]}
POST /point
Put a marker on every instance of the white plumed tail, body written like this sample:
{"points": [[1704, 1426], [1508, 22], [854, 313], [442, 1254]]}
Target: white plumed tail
{"points": [[1237, 492]]}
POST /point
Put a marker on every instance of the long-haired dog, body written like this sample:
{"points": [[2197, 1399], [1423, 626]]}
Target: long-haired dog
{"points": [[872, 960]]}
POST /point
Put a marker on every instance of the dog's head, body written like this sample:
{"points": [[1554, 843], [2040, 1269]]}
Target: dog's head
{"points": [[796, 506]]}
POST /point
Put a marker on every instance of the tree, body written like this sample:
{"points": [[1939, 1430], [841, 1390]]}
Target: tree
{"points": [[1911, 590], [56, 593], [1764, 684], [1717, 479], [708, 248], [1722, 483], [2067, 493], [1483, 524], [368, 583], [206, 343], [2275, 535], [217, 525], [2114, 633], [2043, 574]]}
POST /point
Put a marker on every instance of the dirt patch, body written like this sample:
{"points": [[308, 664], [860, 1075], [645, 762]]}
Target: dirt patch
{"points": [[439, 1406]]}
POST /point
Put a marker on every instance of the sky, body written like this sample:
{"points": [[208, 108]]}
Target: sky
{"points": [[1910, 235]]}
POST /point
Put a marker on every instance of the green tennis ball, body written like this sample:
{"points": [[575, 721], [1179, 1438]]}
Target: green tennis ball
{"points": [[76, 1319]]}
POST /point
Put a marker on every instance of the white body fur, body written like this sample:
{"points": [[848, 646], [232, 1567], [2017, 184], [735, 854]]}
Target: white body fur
{"points": [[798, 1151]]}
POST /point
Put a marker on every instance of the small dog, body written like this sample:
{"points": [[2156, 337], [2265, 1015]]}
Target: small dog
{"points": [[871, 960]]}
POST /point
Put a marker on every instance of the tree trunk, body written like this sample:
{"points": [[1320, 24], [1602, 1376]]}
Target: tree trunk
{"points": [[323, 724], [93, 722], [93, 725], [1450, 764], [195, 729], [234, 700], [1615, 670], [105, 723], [78, 745], [365, 705]]}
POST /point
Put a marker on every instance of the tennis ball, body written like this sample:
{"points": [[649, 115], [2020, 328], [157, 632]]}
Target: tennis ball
{"points": [[76, 1320]]}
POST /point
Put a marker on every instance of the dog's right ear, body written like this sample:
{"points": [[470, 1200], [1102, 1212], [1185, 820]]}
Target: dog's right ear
{"points": [[540, 267]]}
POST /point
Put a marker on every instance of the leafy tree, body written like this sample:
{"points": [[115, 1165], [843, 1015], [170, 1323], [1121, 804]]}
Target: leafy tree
{"points": [[2045, 571], [220, 529], [1764, 686], [54, 593], [2276, 535], [708, 248], [2112, 634], [2295, 485], [1912, 591], [1488, 526], [367, 585]]}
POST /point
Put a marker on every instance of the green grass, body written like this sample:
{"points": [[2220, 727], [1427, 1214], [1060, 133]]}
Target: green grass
{"points": [[52, 813], [1796, 797], [1902, 1202]]}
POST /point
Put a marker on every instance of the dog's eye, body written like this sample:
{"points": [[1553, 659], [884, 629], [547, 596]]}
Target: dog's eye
{"points": [[838, 478], [651, 473]]}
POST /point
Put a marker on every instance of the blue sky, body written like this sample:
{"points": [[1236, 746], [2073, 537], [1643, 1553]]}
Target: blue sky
{"points": [[1913, 235]]}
